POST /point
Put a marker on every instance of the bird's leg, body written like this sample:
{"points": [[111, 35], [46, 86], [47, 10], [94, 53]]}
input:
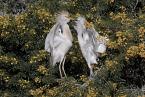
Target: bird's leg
{"points": [[91, 72], [63, 66], [60, 69]]}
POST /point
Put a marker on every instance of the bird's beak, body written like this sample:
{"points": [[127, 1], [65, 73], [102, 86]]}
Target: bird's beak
{"points": [[72, 19]]}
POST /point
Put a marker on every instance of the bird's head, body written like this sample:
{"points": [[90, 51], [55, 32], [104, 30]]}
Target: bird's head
{"points": [[80, 24], [80, 21], [83, 22], [63, 17]]}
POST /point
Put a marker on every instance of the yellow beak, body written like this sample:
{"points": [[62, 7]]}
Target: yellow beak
{"points": [[71, 18]]}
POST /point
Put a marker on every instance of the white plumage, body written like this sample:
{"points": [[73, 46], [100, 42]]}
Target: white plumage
{"points": [[101, 48], [89, 45], [59, 41]]}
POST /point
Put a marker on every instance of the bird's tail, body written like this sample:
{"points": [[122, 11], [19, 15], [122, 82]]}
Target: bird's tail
{"points": [[52, 61]]}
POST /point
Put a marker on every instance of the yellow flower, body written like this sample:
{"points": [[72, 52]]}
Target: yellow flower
{"points": [[37, 80], [141, 30], [91, 92], [123, 96], [42, 69], [23, 83], [109, 64], [111, 14], [119, 34], [7, 59], [102, 39], [112, 44], [37, 92], [83, 78], [141, 48], [132, 51]]}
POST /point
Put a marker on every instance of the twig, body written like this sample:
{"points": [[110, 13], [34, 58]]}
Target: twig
{"points": [[135, 5]]}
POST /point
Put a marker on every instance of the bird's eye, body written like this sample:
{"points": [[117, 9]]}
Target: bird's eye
{"points": [[59, 30]]}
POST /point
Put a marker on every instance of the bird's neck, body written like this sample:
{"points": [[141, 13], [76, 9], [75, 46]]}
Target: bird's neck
{"points": [[62, 23], [80, 29]]}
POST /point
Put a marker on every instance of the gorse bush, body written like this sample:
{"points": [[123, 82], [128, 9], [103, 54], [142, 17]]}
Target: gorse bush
{"points": [[24, 65]]}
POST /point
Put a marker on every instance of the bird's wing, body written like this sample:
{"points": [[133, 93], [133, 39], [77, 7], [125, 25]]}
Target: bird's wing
{"points": [[58, 37], [93, 34], [62, 36], [49, 38], [52, 40], [49, 41]]}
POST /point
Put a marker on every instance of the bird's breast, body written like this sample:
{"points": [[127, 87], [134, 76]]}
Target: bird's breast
{"points": [[66, 32], [86, 37]]}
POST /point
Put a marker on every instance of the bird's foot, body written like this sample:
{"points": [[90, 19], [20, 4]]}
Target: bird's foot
{"points": [[91, 77], [63, 77]]}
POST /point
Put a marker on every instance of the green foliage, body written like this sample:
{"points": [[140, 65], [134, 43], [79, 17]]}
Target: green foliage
{"points": [[24, 65]]}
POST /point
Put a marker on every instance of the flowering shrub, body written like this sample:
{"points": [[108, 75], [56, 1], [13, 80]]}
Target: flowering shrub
{"points": [[24, 65]]}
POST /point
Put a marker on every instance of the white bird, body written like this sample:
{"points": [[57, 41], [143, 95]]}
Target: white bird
{"points": [[90, 46], [59, 41]]}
